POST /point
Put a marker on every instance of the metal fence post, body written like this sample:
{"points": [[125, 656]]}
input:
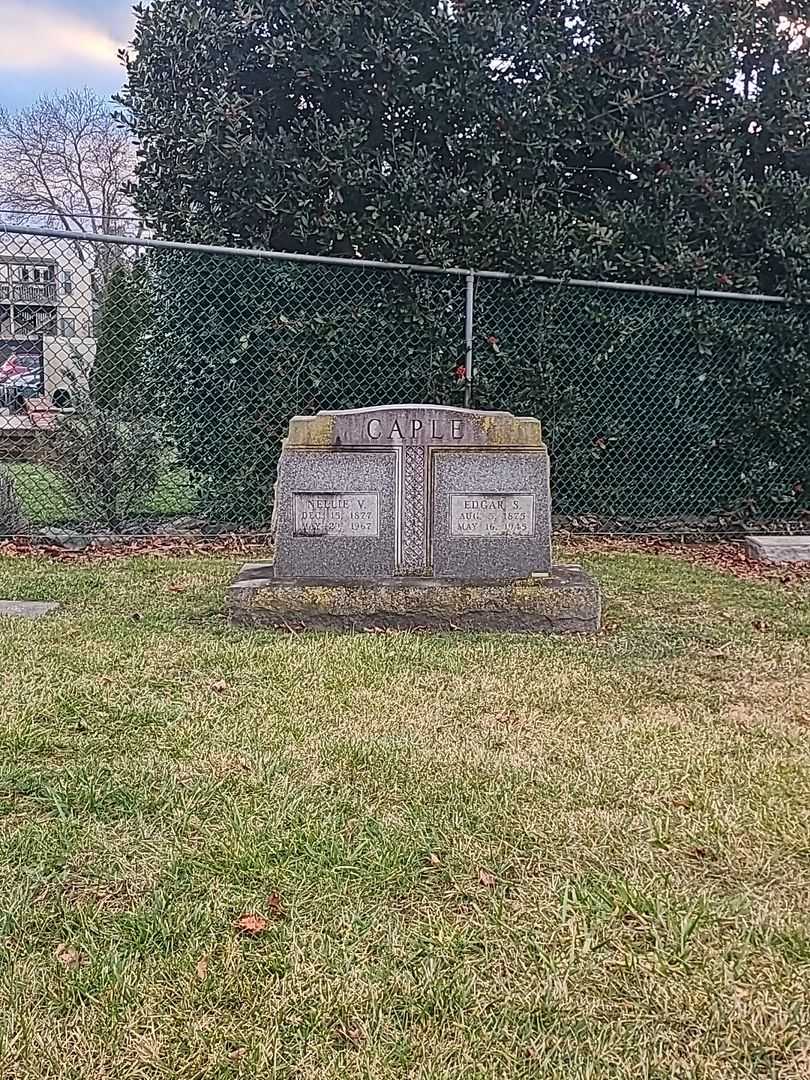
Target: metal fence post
{"points": [[468, 340]]}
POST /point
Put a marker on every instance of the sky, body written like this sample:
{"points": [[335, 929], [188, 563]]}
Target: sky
{"points": [[48, 45]]}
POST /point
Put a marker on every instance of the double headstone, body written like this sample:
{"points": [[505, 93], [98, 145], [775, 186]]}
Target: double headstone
{"points": [[414, 515]]}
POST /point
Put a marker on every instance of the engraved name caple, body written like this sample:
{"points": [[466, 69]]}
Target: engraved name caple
{"points": [[414, 425]]}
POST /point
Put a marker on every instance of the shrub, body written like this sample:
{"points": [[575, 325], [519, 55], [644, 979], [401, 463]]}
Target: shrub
{"points": [[655, 408], [117, 377], [12, 518], [240, 345], [109, 463]]}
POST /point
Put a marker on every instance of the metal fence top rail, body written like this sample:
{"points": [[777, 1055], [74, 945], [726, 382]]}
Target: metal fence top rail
{"points": [[371, 264]]}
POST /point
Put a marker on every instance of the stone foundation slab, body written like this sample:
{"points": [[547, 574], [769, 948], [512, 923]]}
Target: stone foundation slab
{"points": [[567, 600]]}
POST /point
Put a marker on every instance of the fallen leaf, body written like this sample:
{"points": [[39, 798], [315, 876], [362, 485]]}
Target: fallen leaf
{"points": [[219, 687], [486, 878], [201, 970], [275, 906], [70, 957], [718, 654], [700, 853], [433, 859], [251, 924], [351, 1033]]}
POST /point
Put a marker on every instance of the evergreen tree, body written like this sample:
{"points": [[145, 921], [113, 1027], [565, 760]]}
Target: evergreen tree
{"points": [[635, 140], [119, 374], [651, 140]]}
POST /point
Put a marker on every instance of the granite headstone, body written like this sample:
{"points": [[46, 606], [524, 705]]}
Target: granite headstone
{"points": [[413, 490], [376, 503]]}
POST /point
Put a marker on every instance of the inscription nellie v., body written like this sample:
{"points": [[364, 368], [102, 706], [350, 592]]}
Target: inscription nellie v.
{"points": [[336, 513]]}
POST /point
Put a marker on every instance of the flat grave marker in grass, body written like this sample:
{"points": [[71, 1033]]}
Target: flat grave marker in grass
{"points": [[27, 609], [779, 549], [414, 516]]}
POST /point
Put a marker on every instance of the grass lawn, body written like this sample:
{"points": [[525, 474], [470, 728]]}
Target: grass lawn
{"points": [[473, 856], [47, 499]]}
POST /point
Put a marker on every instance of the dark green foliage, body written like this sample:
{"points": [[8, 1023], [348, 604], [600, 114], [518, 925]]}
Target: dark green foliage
{"points": [[118, 378], [657, 409], [607, 139], [241, 344]]}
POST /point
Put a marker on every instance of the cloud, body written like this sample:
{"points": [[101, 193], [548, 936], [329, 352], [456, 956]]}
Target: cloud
{"points": [[36, 37]]}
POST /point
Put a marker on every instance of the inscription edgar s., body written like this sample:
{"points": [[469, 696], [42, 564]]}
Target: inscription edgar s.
{"points": [[491, 516]]}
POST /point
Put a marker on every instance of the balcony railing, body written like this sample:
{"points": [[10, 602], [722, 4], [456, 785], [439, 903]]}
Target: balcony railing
{"points": [[37, 292]]}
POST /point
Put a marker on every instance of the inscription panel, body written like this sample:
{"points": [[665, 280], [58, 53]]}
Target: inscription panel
{"points": [[330, 543], [496, 516], [336, 513]]}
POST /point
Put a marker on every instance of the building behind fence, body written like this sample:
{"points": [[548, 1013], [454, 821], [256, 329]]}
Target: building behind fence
{"points": [[46, 319], [145, 386]]}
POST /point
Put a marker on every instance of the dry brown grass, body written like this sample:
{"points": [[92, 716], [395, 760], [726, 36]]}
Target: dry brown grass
{"points": [[468, 855]]}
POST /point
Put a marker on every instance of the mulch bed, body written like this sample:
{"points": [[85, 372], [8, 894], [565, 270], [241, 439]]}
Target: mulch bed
{"points": [[169, 547], [726, 556]]}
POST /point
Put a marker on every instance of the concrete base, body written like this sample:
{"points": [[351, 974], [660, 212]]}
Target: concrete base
{"points": [[26, 609], [565, 601], [779, 549]]}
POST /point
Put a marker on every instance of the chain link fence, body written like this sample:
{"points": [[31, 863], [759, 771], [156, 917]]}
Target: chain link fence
{"points": [[664, 413], [145, 388]]}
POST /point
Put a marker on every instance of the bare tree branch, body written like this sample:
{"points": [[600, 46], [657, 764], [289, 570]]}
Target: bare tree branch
{"points": [[65, 161]]}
